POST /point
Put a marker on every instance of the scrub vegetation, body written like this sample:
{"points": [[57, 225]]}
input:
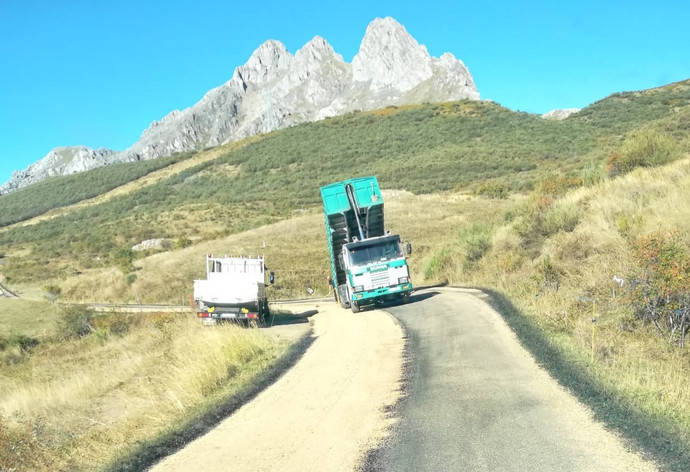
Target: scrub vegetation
{"points": [[461, 146], [65, 190], [569, 220]]}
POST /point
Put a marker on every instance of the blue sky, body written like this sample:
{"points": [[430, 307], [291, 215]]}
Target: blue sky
{"points": [[97, 73]]}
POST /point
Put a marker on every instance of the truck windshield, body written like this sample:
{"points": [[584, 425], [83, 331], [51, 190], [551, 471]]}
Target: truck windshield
{"points": [[381, 252]]}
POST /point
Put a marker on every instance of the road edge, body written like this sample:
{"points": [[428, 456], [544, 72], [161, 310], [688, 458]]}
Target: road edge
{"points": [[369, 462], [639, 433], [171, 440]]}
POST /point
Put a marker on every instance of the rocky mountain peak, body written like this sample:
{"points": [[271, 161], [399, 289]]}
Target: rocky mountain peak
{"points": [[317, 48], [63, 160], [390, 57], [275, 89], [265, 63]]}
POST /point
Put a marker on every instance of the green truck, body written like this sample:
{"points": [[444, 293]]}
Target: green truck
{"points": [[367, 263]]}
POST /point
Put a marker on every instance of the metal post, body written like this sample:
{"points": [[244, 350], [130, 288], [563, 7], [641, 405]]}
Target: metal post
{"points": [[594, 320]]}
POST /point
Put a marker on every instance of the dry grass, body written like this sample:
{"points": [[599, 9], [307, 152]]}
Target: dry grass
{"points": [[29, 317], [74, 405], [295, 250], [639, 369]]}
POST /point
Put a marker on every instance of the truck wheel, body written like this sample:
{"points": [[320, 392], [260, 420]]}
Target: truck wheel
{"points": [[355, 306]]}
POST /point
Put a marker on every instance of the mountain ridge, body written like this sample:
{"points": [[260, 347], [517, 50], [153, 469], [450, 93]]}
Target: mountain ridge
{"points": [[276, 89]]}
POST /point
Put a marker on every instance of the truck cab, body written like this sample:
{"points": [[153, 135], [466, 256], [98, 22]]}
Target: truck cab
{"points": [[367, 263], [376, 270]]}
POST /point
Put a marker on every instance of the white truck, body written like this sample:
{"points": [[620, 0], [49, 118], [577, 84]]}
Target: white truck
{"points": [[234, 289]]}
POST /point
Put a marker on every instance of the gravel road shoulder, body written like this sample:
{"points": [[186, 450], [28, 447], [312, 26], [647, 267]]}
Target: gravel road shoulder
{"points": [[323, 414]]}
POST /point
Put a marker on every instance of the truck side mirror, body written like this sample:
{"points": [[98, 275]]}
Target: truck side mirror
{"points": [[271, 277], [408, 248]]}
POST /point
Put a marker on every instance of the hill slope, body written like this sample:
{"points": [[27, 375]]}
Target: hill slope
{"points": [[535, 210], [423, 149]]}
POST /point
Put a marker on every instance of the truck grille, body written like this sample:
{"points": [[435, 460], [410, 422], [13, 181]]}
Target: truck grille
{"points": [[379, 279]]}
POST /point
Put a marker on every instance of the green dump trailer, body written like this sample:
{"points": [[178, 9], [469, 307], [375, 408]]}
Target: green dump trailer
{"points": [[367, 263]]}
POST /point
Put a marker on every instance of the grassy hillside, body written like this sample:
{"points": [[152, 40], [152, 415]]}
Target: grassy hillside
{"points": [[469, 146], [542, 213], [618, 252], [66, 190]]}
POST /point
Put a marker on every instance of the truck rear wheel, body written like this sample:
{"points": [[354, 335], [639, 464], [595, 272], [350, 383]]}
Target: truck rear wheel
{"points": [[355, 306]]}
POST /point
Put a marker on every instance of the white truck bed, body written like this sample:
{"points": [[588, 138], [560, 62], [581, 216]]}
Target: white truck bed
{"points": [[231, 282]]}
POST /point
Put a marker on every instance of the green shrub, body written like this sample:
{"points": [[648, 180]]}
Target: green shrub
{"points": [[119, 326], [561, 217], [556, 185], [546, 275], [645, 148], [592, 174], [22, 342], [124, 259], [475, 241], [182, 243], [75, 322], [626, 224], [130, 279], [439, 263], [492, 190], [16, 348]]}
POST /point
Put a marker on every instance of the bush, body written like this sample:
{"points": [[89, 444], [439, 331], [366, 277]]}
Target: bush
{"points": [[439, 263], [492, 190], [54, 290], [556, 185], [592, 174], [16, 348], [182, 243], [75, 322], [646, 148], [546, 275], [475, 241], [661, 289], [130, 278], [561, 217], [124, 259]]}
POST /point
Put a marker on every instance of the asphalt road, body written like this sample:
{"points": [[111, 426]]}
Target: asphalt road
{"points": [[476, 400]]}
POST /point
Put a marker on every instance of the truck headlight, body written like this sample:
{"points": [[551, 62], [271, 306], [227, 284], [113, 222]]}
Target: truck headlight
{"points": [[403, 280], [359, 288]]}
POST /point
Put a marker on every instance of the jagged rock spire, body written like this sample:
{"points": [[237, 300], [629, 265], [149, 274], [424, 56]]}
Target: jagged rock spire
{"points": [[275, 89]]}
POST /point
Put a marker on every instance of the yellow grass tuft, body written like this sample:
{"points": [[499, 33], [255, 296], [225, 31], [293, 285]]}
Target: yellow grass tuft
{"points": [[82, 397]]}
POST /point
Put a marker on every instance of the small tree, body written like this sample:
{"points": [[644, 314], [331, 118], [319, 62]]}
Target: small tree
{"points": [[124, 259], [661, 288]]}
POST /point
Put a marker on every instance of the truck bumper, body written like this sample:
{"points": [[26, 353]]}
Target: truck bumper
{"points": [[213, 318], [383, 293]]}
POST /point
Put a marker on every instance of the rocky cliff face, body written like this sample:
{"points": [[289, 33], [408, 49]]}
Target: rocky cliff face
{"points": [[275, 89], [60, 161]]}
